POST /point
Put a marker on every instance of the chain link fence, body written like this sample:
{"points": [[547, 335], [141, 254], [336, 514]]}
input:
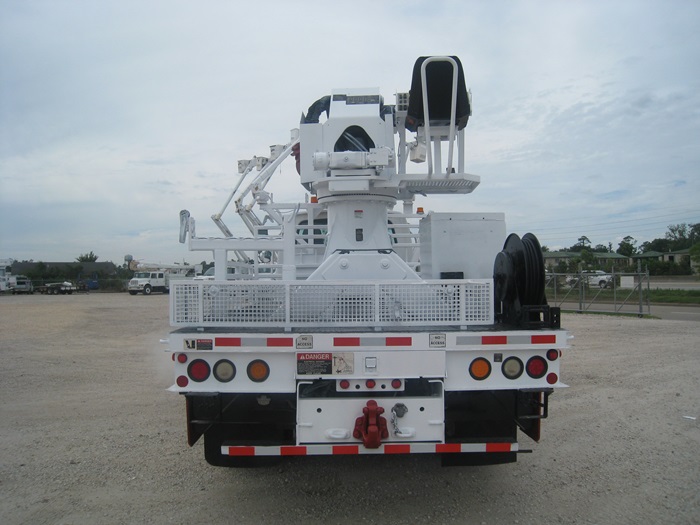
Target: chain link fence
{"points": [[597, 291]]}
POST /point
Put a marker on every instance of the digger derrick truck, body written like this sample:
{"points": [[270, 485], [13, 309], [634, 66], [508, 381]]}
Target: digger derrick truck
{"points": [[342, 325]]}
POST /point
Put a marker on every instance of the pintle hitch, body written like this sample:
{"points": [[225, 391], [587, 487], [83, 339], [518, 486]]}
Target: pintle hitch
{"points": [[371, 426]]}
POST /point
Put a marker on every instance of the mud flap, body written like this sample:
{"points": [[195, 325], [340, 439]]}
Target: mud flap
{"points": [[531, 409], [208, 407]]}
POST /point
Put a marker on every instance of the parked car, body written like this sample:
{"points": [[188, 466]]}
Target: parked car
{"points": [[23, 285], [592, 278]]}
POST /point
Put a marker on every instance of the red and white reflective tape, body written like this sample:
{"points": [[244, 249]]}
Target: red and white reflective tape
{"points": [[373, 341], [276, 342], [518, 339], [353, 450]]}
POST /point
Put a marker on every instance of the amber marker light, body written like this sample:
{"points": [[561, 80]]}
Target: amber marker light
{"points": [[480, 369], [258, 371]]}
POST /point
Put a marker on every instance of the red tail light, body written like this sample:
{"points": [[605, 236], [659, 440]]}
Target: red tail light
{"points": [[371, 383], [536, 367], [396, 383], [553, 354], [199, 370]]}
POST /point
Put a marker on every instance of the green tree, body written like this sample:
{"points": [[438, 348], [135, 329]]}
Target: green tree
{"points": [[87, 257], [695, 253], [627, 246], [583, 243]]}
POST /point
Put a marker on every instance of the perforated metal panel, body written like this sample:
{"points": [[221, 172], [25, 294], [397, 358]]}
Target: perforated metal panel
{"points": [[304, 304]]}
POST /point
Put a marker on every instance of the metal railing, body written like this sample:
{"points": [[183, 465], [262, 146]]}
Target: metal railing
{"points": [[295, 304]]}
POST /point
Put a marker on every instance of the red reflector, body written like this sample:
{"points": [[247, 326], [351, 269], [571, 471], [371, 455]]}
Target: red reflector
{"points": [[536, 367], [345, 450], [552, 378], [182, 381], [397, 449], [228, 341], [494, 340], [241, 451], [396, 383], [198, 370], [371, 383], [448, 447], [346, 341], [280, 341], [552, 354], [497, 447], [293, 451], [542, 339], [181, 358], [344, 384], [172, 357], [399, 341]]}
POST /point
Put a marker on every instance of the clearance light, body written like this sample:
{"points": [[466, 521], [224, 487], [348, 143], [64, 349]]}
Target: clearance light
{"points": [[371, 383], [552, 378], [553, 354], [224, 370], [396, 383], [536, 367], [182, 381], [258, 371], [344, 384], [198, 370], [182, 358], [480, 369], [512, 368]]}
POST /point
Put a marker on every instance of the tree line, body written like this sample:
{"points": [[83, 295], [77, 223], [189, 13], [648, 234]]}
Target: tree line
{"points": [[678, 237]]}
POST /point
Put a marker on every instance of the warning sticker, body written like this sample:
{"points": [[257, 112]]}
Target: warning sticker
{"points": [[305, 341], [438, 340], [198, 344], [325, 363]]}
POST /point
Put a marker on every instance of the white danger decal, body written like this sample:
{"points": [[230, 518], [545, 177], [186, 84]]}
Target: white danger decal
{"points": [[325, 363]]}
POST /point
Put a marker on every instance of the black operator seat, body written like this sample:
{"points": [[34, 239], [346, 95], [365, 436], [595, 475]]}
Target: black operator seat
{"points": [[439, 85]]}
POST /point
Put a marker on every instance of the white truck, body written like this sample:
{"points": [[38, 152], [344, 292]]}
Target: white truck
{"points": [[149, 278], [351, 327]]}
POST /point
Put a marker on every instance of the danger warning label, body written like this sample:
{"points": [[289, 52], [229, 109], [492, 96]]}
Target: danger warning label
{"points": [[325, 363]]}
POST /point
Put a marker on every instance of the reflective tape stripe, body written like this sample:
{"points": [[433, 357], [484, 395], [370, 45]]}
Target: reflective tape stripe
{"points": [[544, 339], [518, 339], [254, 341], [373, 341], [387, 448], [227, 341]]}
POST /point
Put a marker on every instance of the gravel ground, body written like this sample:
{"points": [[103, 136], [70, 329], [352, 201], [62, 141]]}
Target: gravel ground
{"points": [[90, 435]]}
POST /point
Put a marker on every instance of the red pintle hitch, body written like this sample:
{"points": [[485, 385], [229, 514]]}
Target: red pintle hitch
{"points": [[371, 426]]}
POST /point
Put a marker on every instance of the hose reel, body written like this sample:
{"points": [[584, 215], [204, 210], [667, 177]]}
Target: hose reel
{"points": [[519, 282]]}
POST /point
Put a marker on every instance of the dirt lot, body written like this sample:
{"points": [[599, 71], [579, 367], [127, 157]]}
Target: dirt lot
{"points": [[90, 435]]}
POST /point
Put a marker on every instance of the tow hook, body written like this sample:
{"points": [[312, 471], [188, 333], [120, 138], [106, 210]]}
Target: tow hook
{"points": [[371, 426]]}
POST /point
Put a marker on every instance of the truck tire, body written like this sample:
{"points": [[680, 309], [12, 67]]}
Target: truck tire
{"points": [[132, 292], [147, 290], [603, 284]]}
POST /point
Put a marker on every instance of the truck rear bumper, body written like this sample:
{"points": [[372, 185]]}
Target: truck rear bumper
{"points": [[353, 450]]}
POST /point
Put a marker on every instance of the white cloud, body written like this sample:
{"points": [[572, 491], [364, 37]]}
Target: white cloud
{"points": [[116, 115]]}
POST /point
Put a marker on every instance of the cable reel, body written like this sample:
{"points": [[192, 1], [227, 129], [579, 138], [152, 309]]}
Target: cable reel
{"points": [[519, 281]]}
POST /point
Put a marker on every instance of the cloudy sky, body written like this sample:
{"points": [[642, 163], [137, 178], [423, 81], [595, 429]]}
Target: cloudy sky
{"points": [[115, 115]]}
